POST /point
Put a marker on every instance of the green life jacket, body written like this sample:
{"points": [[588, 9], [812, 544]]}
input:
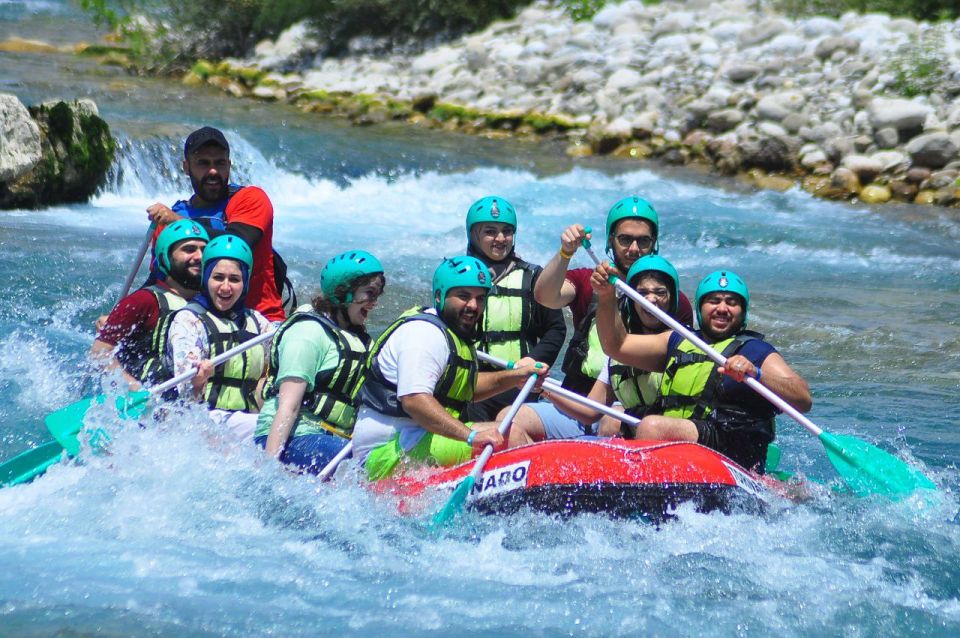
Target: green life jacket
{"points": [[150, 369], [636, 389], [509, 311], [233, 384], [691, 381], [584, 358], [454, 389], [333, 401]]}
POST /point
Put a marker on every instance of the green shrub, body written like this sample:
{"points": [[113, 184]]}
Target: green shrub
{"points": [[917, 9], [180, 31], [918, 67]]}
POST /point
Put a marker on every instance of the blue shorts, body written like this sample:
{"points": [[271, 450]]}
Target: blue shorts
{"points": [[556, 424], [310, 452]]}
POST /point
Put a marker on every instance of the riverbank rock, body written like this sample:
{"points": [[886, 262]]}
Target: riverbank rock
{"points": [[842, 100], [54, 152]]}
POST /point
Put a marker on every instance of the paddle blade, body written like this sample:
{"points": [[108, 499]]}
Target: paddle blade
{"points": [[867, 469], [25, 467], [455, 503], [66, 423]]}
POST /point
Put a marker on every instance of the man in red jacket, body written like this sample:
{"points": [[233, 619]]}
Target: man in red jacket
{"points": [[244, 211]]}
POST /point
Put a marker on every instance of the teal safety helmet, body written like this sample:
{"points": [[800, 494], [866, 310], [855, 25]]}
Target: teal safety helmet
{"points": [[178, 231], [227, 247], [344, 268], [491, 209], [657, 263], [458, 272], [723, 281], [633, 207]]}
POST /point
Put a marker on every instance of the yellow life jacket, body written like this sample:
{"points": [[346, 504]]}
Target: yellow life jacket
{"points": [[454, 389], [150, 369], [636, 389], [334, 399], [690, 381], [508, 313], [233, 383]]}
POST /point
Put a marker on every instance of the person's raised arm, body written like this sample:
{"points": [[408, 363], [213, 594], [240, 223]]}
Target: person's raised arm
{"points": [[552, 288], [647, 352]]}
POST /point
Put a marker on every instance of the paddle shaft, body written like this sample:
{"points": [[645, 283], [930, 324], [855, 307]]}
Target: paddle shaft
{"points": [[755, 385], [504, 426], [555, 388], [217, 360], [330, 467], [144, 245]]}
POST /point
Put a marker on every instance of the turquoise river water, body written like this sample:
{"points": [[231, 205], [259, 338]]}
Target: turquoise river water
{"points": [[171, 535]]}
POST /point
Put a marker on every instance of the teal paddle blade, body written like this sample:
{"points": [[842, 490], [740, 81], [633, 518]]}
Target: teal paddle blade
{"points": [[25, 467], [773, 458], [66, 423], [867, 470], [454, 503]]}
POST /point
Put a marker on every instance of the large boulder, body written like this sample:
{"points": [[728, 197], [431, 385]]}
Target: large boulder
{"points": [[19, 139], [76, 151]]}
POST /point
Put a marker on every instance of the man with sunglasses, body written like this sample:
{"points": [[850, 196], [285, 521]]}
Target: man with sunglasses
{"points": [[632, 232]]}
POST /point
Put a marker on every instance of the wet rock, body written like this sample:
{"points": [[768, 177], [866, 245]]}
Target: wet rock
{"points": [[902, 190], [865, 168], [917, 174], [938, 180], [933, 150], [925, 198], [875, 194], [768, 153], [846, 180], [76, 151]]}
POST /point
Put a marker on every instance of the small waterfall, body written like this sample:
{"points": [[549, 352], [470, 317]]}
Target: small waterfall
{"points": [[147, 168]]}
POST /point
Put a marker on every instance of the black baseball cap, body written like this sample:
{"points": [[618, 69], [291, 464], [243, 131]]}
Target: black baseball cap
{"points": [[203, 136]]}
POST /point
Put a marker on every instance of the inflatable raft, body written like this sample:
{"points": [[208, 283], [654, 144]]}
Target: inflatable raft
{"points": [[621, 478]]}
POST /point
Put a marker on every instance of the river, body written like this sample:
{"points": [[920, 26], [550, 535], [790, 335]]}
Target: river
{"points": [[171, 535]]}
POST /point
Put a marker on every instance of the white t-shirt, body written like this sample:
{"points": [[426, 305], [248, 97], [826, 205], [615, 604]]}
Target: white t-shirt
{"points": [[413, 357]]}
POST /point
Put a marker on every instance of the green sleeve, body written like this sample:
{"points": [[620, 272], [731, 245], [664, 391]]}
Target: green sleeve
{"points": [[305, 350]]}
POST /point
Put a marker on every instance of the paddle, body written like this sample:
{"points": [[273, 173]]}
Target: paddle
{"points": [[865, 468], [24, 467], [459, 496], [330, 467], [144, 245], [66, 423]]}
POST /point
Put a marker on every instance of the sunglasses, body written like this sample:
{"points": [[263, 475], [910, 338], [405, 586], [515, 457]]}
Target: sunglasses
{"points": [[643, 241]]}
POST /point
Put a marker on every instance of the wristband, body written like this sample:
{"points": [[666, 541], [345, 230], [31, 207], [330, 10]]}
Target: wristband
{"points": [[758, 375], [471, 437], [565, 254]]}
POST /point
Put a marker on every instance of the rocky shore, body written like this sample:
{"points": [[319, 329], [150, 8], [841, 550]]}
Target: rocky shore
{"points": [[862, 107], [51, 153]]}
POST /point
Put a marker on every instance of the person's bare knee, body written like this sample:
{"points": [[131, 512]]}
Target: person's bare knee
{"points": [[526, 424]]}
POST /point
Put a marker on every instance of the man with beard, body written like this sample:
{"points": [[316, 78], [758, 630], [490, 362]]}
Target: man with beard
{"points": [[244, 211], [700, 401], [129, 338], [422, 373]]}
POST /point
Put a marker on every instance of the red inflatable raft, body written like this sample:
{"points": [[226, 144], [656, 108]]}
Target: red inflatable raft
{"points": [[614, 476]]}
